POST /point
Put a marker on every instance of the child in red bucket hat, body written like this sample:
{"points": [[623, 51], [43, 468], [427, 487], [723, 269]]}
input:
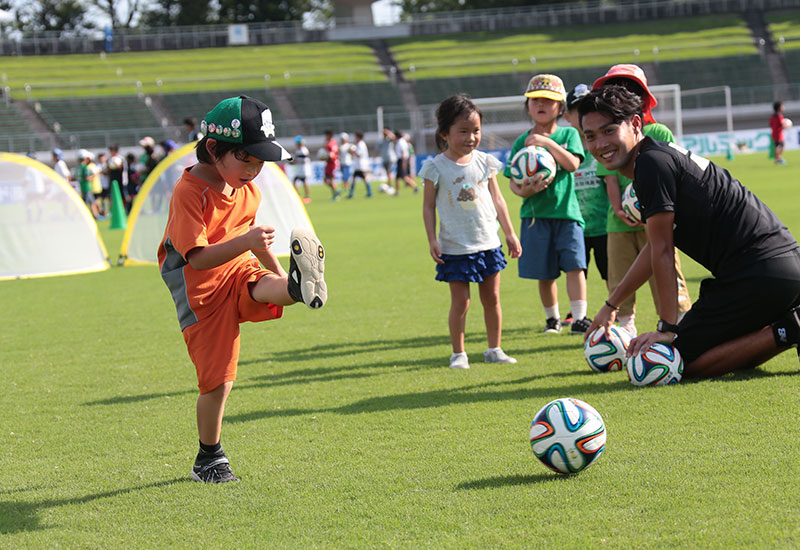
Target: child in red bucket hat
{"points": [[631, 76]]}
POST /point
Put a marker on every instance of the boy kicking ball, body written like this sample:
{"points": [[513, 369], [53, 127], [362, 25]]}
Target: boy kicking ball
{"points": [[209, 259]]}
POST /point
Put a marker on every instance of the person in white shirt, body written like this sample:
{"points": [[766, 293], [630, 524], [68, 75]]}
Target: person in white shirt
{"points": [[346, 150], [302, 167], [363, 167], [60, 167], [403, 163]]}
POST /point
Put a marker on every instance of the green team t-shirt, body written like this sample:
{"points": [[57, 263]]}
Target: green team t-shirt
{"points": [[658, 132], [558, 201], [592, 197], [83, 178]]}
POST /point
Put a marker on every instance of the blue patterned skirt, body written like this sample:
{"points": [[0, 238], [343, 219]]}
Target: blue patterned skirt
{"points": [[471, 268]]}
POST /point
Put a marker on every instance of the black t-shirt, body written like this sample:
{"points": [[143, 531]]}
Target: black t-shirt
{"points": [[718, 222]]}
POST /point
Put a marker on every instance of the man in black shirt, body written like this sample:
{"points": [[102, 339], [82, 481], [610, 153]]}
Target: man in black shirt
{"points": [[747, 313]]}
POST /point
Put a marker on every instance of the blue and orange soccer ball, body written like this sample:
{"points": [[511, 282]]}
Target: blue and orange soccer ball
{"points": [[531, 160], [606, 353], [658, 365], [567, 435]]}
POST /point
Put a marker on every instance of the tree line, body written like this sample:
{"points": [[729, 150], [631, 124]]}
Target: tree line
{"points": [[79, 16]]}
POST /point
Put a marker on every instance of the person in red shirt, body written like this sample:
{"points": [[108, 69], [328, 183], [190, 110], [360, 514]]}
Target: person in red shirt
{"points": [[777, 123], [331, 163], [209, 259]]}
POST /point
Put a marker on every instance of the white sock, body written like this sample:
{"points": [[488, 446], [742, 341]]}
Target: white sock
{"points": [[490, 350], [454, 355], [578, 308], [552, 312], [626, 319]]}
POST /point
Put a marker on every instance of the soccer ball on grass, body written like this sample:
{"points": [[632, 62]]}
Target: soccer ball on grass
{"points": [[567, 435], [606, 353], [657, 365]]}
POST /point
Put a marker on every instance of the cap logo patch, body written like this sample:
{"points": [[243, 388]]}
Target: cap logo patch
{"points": [[266, 123]]}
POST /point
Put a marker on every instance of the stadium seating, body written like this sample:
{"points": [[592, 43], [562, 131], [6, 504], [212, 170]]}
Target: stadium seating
{"points": [[98, 113], [695, 53], [12, 126], [197, 104]]}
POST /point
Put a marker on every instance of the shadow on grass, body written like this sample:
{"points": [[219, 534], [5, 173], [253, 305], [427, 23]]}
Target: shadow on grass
{"points": [[347, 349], [301, 376], [479, 393], [24, 516], [339, 372], [509, 481]]}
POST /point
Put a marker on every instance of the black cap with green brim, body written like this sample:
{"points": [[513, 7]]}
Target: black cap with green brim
{"points": [[246, 121]]}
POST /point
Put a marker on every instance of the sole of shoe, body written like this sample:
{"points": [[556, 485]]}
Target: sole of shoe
{"points": [[309, 258]]}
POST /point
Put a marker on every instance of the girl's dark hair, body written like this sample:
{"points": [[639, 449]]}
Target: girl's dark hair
{"points": [[777, 105], [451, 109], [615, 101], [221, 148]]}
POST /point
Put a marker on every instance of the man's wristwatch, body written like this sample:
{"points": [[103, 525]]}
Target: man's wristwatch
{"points": [[663, 326]]}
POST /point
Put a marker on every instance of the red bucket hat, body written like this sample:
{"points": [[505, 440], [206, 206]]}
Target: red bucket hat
{"points": [[635, 73]]}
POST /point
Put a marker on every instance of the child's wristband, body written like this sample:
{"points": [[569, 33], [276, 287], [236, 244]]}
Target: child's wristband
{"points": [[612, 306]]}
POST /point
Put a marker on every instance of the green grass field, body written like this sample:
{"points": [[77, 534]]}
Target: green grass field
{"points": [[348, 430]]}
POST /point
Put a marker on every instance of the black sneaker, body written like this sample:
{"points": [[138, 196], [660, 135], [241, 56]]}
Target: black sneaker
{"points": [[216, 470], [306, 268], [581, 326], [568, 320], [787, 329], [553, 326]]}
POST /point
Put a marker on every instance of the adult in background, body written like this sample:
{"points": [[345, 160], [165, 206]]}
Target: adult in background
{"points": [[190, 125], [363, 167], [331, 154], [777, 123], [302, 168], [386, 149], [60, 167], [747, 313], [86, 176], [346, 150], [403, 163], [117, 170]]}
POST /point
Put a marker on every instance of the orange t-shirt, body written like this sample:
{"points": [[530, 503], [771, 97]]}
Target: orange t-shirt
{"points": [[199, 215]]}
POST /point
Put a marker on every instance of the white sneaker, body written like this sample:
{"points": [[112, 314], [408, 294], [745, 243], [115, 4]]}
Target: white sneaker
{"points": [[459, 361], [306, 269], [497, 356]]}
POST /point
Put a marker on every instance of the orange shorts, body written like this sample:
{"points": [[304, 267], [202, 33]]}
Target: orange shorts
{"points": [[213, 342]]}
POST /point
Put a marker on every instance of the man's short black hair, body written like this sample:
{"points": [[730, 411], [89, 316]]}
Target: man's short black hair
{"points": [[616, 102]]}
